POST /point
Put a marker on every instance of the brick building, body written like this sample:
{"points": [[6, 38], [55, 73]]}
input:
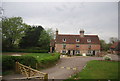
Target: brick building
{"points": [[115, 48], [75, 44]]}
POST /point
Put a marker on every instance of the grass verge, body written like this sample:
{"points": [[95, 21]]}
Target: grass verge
{"points": [[98, 70]]}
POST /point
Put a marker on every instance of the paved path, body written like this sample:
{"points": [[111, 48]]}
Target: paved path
{"points": [[66, 67]]}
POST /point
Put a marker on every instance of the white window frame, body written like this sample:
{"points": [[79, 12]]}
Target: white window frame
{"points": [[77, 40], [89, 52], [89, 46], [77, 52], [77, 45], [64, 51], [64, 46], [64, 40], [88, 40]]}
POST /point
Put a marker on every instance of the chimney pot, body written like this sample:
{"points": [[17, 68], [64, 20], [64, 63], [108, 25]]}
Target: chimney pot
{"points": [[82, 33], [56, 32]]}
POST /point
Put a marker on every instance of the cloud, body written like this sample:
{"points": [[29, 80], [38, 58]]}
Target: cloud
{"points": [[69, 17]]}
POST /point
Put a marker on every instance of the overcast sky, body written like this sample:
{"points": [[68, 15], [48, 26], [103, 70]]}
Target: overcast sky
{"points": [[99, 18]]}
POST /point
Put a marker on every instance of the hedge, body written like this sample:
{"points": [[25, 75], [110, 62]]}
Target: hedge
{"points": [[26, 50], [50, 59], [8, 62]]}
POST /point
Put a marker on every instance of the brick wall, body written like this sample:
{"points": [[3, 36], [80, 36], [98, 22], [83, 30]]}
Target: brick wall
{"points": [[82, 47]]}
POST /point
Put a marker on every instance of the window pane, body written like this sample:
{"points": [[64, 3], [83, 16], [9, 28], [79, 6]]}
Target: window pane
{"points": [[88, 40], [64, 46], [77, 52], [77, 40], [64, 40], [63, 51], [77, 46]]}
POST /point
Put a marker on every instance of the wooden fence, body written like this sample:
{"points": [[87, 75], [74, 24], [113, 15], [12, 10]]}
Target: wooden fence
{"points": [[30, 73]]}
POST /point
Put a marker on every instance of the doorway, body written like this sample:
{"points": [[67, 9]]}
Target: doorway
{"points": [[73, 52], [93, 52], [53, 49], [69, 52]]}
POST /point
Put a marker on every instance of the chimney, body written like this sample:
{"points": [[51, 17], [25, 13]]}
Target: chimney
{"points": [[82, 33], [56, 32]]}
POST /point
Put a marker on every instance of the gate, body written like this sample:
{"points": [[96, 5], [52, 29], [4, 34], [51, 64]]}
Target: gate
{"points": [[30, 73]]}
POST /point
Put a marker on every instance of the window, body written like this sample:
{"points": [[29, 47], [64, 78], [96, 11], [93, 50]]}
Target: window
{"points": [[77, 40], [64, 46], [77, 46], [89, 46], [64, 40], [88, 40], [89, 51], [77, 52], [63, 51]]}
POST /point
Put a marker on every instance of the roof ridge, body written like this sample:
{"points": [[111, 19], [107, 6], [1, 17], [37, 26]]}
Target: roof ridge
{"points": [[76, 35]]}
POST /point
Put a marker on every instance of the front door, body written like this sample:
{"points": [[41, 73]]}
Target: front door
{"points": [[69, 52], [94, 52], [73, 52]]}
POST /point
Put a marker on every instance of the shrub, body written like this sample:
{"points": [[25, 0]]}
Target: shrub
{"points": [[26, 50], [29, 60], [26, 60], [79, 55], [118, 54], [8, 62], [89, 55], [64, 54], [50, 59], [107, 58]]}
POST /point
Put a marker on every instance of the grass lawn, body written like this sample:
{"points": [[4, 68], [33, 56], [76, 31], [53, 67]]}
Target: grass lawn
{"points": [[44, 56], [99, 70], [39, 56]]}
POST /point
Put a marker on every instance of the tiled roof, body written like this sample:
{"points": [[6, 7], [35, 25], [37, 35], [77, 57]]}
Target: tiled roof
{"points": [[71, 39], [114, 45]]}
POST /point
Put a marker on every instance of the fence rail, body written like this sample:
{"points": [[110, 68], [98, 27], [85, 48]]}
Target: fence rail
{"points": [[30, 73]]}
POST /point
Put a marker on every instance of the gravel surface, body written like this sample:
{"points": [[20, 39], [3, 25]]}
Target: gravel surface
{"points": [[68, 66]]}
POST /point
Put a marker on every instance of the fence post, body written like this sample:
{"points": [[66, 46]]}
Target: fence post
{"points": [[46, 77], [36, 66], [29, 72], [16, 67]]}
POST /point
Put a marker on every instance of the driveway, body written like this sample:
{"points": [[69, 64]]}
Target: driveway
{"points": [[66, 67]]}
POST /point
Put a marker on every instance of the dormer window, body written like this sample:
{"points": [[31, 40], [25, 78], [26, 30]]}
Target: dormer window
{"points": [[88, 40], [77, 40], [64, 40]]}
